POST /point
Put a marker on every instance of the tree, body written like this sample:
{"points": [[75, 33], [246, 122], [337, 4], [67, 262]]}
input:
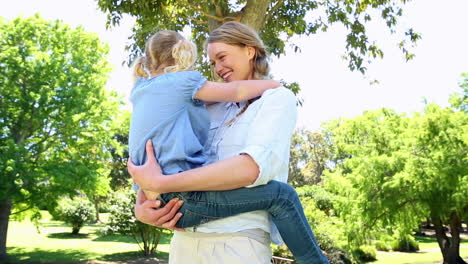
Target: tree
{"points": [[276, 20], [437, 166], [55, 115], [400, 170], [120, 179], [309, 155]]}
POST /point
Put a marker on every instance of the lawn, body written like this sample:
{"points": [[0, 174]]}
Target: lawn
{"points": [[55, 243], [429, 252]]}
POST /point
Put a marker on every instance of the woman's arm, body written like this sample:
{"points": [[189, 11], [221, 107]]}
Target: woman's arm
{"points": [[236, 91], [237, 172], [267, 149]]}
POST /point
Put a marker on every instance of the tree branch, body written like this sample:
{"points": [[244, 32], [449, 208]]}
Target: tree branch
{"points": [[219, 19], [199, 21], [23, 210], [386, 212], [273, 9]]}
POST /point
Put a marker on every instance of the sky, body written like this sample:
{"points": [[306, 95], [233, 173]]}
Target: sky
{"points": [[328, 88]]}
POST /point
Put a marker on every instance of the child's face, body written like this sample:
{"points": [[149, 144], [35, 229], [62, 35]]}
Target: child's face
{"points": [[231, 62]]}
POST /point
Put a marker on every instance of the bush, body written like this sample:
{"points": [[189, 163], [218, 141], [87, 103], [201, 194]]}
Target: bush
{"points": [[338, 256], [122, 220], [405, 243], [365, 253], [76, 211], [318, 209], [383, 245], [282, 251]]}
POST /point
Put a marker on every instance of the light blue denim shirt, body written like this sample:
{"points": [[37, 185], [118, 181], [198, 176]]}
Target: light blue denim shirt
{"points": [[165, 111], [264, 132]]}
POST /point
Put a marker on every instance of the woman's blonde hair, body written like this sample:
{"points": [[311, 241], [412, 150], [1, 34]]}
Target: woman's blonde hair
{"points": [[167, 49], [236, 33]]}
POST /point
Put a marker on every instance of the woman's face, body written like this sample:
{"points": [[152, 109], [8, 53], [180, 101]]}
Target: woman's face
{"points": [[231, 62]]}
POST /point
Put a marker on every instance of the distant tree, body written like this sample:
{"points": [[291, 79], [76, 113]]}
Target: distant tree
{"points": [[308, 157], [297, 160], [55, 115], [276, 20], [400, 170], [120, 179]]}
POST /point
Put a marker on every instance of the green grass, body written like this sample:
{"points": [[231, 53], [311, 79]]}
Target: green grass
{"points": [[55, 243], [429, 252]]}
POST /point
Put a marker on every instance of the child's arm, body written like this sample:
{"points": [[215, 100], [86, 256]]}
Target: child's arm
{"points": [[236, 91]]}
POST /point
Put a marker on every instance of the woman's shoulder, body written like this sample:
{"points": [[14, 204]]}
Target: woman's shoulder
{"points": [[279, 93]]}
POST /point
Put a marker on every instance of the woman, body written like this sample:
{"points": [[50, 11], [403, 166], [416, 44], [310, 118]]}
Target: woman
{"points": [[250, 142]]}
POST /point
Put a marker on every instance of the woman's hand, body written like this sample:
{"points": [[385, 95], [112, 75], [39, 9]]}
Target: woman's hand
{"points": [[148, 212], [149, 175]]}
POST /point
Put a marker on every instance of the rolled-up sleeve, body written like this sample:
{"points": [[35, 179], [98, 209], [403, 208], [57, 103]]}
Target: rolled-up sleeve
{"points": [[269, 136]]}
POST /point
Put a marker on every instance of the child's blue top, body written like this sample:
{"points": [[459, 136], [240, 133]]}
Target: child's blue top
{"points": [[165, 111]]}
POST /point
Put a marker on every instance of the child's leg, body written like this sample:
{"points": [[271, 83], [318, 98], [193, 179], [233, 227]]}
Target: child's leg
{"points": [[279, 199]]}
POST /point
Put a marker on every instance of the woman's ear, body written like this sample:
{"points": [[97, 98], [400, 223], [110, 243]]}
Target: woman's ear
{"points": [[251, 52]]}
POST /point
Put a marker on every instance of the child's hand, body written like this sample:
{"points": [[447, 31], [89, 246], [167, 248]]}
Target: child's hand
{"points": [[149, 175]]}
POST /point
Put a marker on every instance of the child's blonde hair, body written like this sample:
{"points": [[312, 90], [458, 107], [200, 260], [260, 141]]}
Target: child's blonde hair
{"points": [[167, 49]]}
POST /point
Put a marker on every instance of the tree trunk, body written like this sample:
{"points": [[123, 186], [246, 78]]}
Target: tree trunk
{"points": [[5, 211], [454, 250], [96, 207], [254, 13], [450, 248]]}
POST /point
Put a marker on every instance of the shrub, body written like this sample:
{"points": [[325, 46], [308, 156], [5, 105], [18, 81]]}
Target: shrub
{"points": [[383, 245], [76, 211], [405, 243], [365, 253], [338, 256], [282, 251], [318, 209], [122, 220]]}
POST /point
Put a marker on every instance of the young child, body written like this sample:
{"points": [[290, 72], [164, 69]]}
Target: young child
{"points": [[168, 109]]}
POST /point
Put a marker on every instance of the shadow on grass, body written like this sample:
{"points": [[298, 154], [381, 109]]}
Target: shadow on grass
{"points": [[20, 255], [165, 238], [114, 238], [131, 255], [67, 236], [53, 224], [37, 255]]}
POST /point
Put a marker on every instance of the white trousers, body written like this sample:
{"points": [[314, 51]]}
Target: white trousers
{"points": [[232, 248]]}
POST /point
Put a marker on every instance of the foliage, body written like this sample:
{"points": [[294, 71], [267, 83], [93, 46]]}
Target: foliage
{"points": [[123, 221], [391, 172], [460, 101], [276, 20], [120, 179], [405, 243], [308, 158], [55, 115], [365, 253], [382, 245], [281, 251], [76, 212]]}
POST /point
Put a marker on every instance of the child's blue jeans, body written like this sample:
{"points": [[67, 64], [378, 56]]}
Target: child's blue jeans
{"points": [[278, 198]]}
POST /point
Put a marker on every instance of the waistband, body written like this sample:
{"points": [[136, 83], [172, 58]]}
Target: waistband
{"points": [[257, 234]]}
